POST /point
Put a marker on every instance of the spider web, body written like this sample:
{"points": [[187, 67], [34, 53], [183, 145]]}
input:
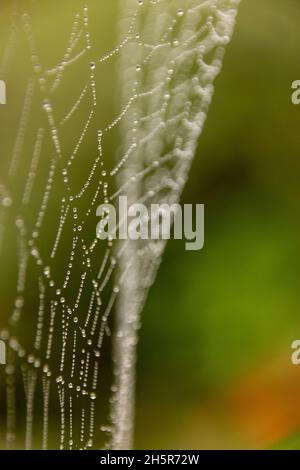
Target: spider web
{"points": [[62, 389]]}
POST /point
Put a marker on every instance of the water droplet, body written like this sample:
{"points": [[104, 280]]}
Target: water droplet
{"points": [[30, 359], [4, 335], [47, 271], [37, 363], [6, 201], [9, 370], [19, 302], [47, 106]]}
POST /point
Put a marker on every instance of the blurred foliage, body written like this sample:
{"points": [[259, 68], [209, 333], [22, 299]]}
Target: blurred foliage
{"points": [[291, 443], [215, 316]]}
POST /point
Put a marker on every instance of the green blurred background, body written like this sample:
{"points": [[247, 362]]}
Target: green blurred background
{"points": [[214, 357], [214, 366]]}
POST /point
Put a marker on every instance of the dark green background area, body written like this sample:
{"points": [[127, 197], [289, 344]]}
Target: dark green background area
{"points": [[216, 315]]}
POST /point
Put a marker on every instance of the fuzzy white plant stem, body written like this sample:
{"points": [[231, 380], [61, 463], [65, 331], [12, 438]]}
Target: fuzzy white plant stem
{"points": [[168, 66]]}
